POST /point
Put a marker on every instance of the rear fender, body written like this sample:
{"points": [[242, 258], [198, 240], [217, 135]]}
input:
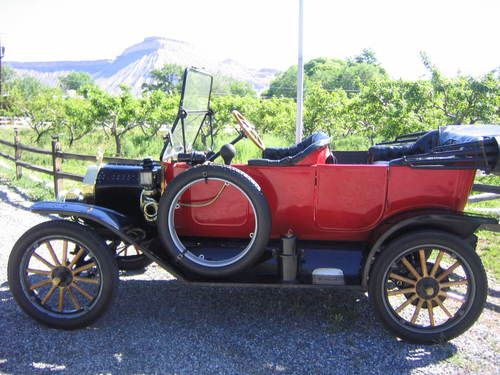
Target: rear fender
{"points": [[113, 221], [460, 224]]}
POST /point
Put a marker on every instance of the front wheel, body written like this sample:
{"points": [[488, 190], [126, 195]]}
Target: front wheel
{"points": [[428, 286], [62, 274]]}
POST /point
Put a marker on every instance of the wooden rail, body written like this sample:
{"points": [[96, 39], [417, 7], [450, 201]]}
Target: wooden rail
{"points": [[57, 156], [486, 188]]}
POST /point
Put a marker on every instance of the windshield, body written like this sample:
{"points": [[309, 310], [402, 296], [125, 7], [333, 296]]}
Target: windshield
{"points": [[195, 104]]}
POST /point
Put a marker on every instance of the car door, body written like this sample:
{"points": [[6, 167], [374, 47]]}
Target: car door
{"points": [[349, 197]]}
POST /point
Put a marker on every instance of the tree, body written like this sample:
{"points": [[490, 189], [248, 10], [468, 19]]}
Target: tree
{"points": [[465, 99], [223, 85], [45, 111], [8, 79], [367, 56], [331, 74], [327, 111], [79, 121], [274, 116], [117, 115], [285, 84], [157, 109], [74, 81], [167, 79], [388, 108]]}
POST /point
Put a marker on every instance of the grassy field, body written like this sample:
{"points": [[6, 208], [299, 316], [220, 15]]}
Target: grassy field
{"points": [[39, 186]]}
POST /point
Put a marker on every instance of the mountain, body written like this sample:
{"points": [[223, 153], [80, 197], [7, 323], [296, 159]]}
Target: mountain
{"points": [[132, 67]]}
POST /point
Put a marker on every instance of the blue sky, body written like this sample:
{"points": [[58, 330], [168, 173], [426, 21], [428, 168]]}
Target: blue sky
{"points": [[457, 35]]}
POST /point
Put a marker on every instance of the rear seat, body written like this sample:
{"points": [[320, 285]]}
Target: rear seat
{"points": [[389, 152]]}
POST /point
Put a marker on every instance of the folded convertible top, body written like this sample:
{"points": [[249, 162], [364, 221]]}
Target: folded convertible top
{"points": [[451, 147], [452, 134]]}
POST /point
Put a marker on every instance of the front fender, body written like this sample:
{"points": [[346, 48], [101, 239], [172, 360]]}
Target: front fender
{"points": [[460, 224], [114, 221]]}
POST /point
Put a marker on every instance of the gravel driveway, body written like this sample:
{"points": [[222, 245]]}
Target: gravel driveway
{"points": [[160, 325]]}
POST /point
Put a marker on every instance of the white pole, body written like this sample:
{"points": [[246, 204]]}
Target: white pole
{"points": [[300, 77]]}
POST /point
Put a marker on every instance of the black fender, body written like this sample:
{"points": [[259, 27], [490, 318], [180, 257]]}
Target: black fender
{"points": [[461, 224], [112, 220]]}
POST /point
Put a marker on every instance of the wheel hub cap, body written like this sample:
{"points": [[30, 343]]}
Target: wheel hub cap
{"points": [[61, 276], [427, 288]]}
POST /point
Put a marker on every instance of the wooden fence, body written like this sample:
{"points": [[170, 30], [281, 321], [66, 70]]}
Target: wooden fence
{"points": [[57, 155]]}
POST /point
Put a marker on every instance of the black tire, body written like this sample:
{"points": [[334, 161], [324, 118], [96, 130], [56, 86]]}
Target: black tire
{"points": [[456, 324], [130, 262], [133, 262], [85, 311], [256, 198]]}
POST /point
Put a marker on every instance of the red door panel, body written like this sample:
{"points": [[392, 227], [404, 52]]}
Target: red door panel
{"points": [[350, 197], [411, 189]]}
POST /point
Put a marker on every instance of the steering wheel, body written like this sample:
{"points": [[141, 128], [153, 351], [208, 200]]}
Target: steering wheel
{"points": [[249, 130]]}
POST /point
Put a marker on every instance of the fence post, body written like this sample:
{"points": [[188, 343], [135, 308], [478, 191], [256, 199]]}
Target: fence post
{"points": [[17, 153], [56, 165]]}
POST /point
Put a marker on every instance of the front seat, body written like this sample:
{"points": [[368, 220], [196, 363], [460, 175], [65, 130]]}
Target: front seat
{"points": [[285, 156]]}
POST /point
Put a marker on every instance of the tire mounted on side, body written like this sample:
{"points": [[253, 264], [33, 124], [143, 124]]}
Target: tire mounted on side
{"points": [[235, 178]]}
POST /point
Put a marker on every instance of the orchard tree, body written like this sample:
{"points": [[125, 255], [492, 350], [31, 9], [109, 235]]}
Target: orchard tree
{"points": [[74, 81], [79, 120], [465, 99], [157, 109], [327, 111], [222, 107], [285, 84], [331, 74], [19, 92], [223, 85], [274, 116], [8, 77], [46, 112], [116, 115], [167, 79]]}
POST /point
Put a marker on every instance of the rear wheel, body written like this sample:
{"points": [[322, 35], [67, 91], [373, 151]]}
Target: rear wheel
{"points": [[130, 257], [62, 274], [428, 287]]}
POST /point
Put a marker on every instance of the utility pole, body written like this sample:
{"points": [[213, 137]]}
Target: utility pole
{"points": [[2, 53], [299, 126]]}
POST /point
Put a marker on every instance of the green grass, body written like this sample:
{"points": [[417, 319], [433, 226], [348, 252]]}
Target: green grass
{"points": [[488, 248], [35, 190]]}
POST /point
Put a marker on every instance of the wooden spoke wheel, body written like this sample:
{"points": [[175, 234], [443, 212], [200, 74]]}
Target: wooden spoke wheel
{"points": [[428, 287], [62, 275], [130, 257]]}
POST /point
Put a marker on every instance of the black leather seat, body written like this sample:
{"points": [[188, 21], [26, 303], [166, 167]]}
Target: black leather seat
{"points": [[284, 156], [389, 152]]}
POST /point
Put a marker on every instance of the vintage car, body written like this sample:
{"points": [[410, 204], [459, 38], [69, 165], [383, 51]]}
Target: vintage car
{"points": [[389, 221]]}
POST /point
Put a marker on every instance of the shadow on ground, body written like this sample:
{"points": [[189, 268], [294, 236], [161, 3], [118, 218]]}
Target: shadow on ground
{"points": [[171, 327]]}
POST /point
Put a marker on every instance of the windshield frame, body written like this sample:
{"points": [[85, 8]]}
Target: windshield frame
{"points": [[185, 112]]}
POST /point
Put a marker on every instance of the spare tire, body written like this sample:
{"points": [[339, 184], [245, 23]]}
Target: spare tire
{"points": [[170, 201]]}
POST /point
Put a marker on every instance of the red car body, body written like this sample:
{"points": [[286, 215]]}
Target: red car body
{"points": [[320, 201]]}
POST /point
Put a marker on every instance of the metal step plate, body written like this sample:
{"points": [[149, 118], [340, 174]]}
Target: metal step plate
{"points": [[328, 276]]}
